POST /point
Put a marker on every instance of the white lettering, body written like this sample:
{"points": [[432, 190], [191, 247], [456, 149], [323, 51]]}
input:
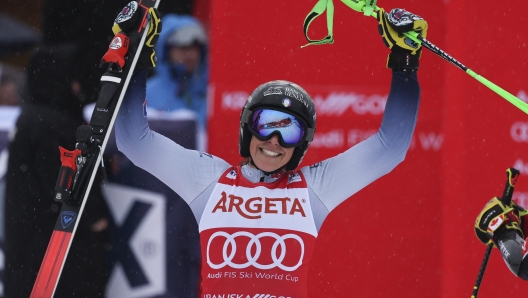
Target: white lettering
{"points": [[293, 93], [521, 199], [234, 100], [503, 249], [431, 140], [521, 166], [519, 132], [292, 278], [214, 275], [273, 90], [443, 54], [269, 276], [337, 103], [331, 139], [523, 96], [332, 104]]}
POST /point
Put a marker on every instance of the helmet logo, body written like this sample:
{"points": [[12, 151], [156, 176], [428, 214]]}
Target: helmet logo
{"points": [[295, 94], [272, 90], [286, 102]]}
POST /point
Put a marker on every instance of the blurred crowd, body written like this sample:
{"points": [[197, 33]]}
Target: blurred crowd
{"points": [[49, 76]]}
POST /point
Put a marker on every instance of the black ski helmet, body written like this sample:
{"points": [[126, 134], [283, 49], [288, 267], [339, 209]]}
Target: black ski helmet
{"points": [[272, 95]]}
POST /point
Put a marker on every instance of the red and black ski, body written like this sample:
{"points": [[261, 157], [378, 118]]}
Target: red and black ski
{"points": [[79, 167]]}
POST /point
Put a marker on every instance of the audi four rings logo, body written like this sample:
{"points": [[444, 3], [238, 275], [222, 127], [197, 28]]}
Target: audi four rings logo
{"points": [[519, 132], [253, 257]]}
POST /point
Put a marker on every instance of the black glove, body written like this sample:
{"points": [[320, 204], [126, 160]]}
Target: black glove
{"points": [[494, 219], [127, 27], [405, 53]]}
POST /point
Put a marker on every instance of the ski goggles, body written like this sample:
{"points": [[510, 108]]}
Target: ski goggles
{"points": [[291, 130]]}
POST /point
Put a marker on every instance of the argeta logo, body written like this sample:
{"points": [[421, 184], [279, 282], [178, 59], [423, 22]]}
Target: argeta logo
{"points": [[67, 217], [256, 207]]}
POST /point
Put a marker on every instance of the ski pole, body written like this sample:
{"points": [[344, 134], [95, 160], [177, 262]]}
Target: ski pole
{"points": [[369, 8], [511, 180], [476, 287]]}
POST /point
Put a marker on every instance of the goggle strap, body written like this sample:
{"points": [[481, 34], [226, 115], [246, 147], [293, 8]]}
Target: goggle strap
{"points": [[246, 114], [310, 132]]}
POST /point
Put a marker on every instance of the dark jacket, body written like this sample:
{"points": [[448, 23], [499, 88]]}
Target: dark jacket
{"points": [[48, 119]]}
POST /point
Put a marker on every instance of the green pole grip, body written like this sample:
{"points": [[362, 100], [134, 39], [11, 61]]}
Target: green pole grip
{"points": [[357, 5]]}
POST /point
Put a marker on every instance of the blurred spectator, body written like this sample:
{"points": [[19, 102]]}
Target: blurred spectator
{"points": [[48, 119], [12, 85], [182, 70], [179, 84], [8, 93]]}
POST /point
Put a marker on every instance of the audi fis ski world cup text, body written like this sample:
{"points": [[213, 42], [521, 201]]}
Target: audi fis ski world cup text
{"points": [[249, 275]]}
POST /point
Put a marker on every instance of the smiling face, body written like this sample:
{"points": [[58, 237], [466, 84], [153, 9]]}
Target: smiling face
{"points": [[269, 155]]}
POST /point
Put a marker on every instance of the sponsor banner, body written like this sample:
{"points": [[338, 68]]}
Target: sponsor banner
{"points": [[327, 103], [138, 220], [252, 256], [233, 205], [462, 145], [255, 261]]}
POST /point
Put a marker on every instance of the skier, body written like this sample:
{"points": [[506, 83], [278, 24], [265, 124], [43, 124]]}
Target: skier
{"points": [[258, 221], [508, 237]]}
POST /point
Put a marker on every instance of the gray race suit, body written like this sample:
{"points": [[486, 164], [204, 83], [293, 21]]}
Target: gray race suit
{"points": [[231, 266], [193, 174]]}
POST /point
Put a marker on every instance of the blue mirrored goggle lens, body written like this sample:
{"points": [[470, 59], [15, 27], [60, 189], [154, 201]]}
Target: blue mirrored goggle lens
{"points": [[264, 122]]}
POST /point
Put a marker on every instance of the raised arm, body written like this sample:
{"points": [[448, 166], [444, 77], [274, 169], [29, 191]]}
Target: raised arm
{"points": [[187, 172], [338, 178]]}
